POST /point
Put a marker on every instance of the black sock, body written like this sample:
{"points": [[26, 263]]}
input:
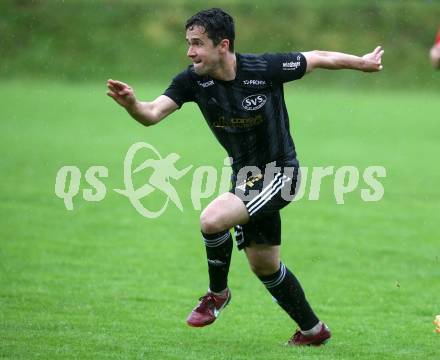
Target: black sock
{"points": [[218, 251], [286, 289]]}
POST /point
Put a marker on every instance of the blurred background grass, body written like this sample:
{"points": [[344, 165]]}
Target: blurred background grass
{"points": [[80, 40]]}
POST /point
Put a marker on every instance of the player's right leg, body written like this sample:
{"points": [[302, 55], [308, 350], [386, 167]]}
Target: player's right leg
{"points": [[219, 216]]}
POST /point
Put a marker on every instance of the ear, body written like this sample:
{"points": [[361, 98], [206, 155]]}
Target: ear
{"points": [[224, 45]]}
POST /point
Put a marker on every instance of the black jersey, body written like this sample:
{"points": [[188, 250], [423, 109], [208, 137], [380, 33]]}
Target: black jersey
{"points": [[247, 115]]}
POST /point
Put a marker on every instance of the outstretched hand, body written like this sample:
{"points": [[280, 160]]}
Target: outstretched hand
{"points": [[373, 60], [122, 93]]}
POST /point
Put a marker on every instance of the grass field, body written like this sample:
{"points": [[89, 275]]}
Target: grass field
{"points": [[103, 282]]}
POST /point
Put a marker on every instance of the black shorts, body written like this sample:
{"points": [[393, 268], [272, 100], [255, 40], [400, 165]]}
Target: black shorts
{"points": [[264, 197]]}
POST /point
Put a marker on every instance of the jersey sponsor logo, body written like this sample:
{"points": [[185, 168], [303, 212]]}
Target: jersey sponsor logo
{"points": [[238, 123], [254, 82], [292, 65], [206, 83], [254, 102]]}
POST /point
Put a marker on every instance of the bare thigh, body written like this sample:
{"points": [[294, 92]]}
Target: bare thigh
{"points": [[223, 213]]}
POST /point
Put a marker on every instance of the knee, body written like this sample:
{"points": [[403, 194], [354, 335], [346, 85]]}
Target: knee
{"points": [[210, 223], [263, 268]]}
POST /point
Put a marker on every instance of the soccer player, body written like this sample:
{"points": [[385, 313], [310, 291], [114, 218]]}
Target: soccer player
{"points": [[241, 98], [435, 52]]}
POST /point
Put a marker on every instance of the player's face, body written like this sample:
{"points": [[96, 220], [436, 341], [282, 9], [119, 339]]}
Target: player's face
{"points": [[202, 52]]}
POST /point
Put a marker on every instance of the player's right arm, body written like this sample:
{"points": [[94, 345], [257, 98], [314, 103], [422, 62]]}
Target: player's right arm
{"points": [[146, 113]]}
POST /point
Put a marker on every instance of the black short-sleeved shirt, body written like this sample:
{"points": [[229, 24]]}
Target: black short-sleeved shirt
{"points": [[247, 115]]}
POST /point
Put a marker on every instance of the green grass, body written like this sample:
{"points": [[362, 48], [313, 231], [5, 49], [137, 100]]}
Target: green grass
{"points": [[103, 282]]}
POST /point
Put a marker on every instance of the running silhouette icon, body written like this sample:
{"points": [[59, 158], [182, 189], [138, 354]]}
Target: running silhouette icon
{"points": [[164, 169]]}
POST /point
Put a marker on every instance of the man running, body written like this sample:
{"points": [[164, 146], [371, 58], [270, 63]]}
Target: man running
{"points": [[241, 97]]}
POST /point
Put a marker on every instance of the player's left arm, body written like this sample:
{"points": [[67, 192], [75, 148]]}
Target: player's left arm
{"points": [[370, 62], [435, 56]]}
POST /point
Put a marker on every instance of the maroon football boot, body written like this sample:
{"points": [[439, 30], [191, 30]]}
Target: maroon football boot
{"points": [[208, 309], [299, 339]]}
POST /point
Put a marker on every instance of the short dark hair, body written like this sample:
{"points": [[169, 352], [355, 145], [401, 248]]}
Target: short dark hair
{"points": [[217, 23]]}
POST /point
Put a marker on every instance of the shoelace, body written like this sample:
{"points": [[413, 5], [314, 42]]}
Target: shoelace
{"points": [[206, 302], [297, 335]]}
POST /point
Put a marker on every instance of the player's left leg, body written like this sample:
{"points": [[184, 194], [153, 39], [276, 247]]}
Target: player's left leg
{"points": [[264, 261], [260, 236]]}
